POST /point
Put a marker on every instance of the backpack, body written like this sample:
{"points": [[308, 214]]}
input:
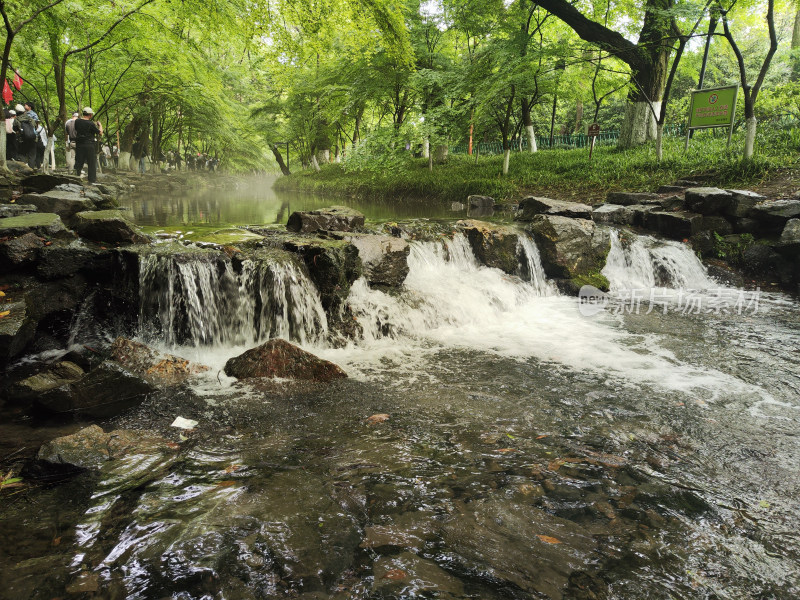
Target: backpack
{"points": [[28, 131]]}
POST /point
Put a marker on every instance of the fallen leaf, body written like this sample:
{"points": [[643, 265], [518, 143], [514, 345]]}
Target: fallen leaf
{"points": [[2, 294], [233, 468], [540, 437], [548, 539], [395, 574], [5, 313], [763, 504], [56, 541], [379, 418], [226, 483], [506, 450]]}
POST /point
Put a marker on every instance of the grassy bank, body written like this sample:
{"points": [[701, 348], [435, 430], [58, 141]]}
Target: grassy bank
{"points": [[567, 174]]}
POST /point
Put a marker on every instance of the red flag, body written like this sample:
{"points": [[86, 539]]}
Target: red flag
{"points": [[17, 81], [8, 95]]}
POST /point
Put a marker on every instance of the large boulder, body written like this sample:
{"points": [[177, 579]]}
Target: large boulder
{"points": [[335, 218], [476, 201], [17, 329], [493, 245], [773, 214], [44, 182], [333, 266], [110, 226], [676, 225], [569, 247], [279, 358], [629, 198], [709, 201], [44, 225], [616, 214], [20, 250], [104, 392], [789, 244], [383, 257], [157, 367], [791, 232], [57, 262], [743, 202], [531, 206], [91, 447]]}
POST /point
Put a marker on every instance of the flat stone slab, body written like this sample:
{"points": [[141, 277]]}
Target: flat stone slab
{"points": [[677, 225], [91, 447], [227, 237], [111, 226], [41, 224], [613, 213], [14, 210], [335, 218], [531, 206], [629, 198], [44, 182], [776, 210], [61, 202]]}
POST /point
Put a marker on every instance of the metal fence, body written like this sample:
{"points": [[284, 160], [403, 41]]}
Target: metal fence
{"points": [[605, 138], [574, 140]]}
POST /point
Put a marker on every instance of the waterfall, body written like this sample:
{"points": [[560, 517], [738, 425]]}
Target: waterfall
{"points": [[203, 299], [531, 269], [643, 263]]}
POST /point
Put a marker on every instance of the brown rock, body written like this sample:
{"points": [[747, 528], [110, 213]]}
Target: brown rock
{"points": [[279, 358], [164, 369]]}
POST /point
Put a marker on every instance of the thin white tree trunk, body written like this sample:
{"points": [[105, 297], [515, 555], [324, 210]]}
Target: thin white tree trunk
{"points": [[532, 147], [426, 148], [314, 163], [506, 160], [3, 141], [659, 141], [750, 139], [49, 162], [125, 161]]}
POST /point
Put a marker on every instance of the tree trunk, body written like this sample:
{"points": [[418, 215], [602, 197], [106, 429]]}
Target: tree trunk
{"points": [[426, 147], [3, 142], [659, 141], [314, 163], [442, 151], [279, 159], [795, 46], [532, 145], [527, 106], [506, 160], [750, 138], [638, 124]]}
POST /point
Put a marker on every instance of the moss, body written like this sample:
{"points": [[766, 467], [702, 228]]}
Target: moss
{"points": [[594, 278], [30, 220]]}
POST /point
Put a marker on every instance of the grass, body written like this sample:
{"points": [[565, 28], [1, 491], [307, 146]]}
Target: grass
{"points": [[562, 173]]}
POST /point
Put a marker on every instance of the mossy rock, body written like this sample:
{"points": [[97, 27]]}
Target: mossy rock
{"points": [[41, 224]]}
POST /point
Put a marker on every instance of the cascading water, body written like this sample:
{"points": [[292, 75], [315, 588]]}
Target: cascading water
{"points": [[202, 299], [643, 262]]}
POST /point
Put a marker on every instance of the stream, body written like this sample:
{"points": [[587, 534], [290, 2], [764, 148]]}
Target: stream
{"points": [[649, 449]]}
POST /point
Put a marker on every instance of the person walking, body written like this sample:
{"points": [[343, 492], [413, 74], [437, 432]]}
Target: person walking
{"points": [[69, 129], [26, 139], [12, 129], [86, 145], [41, 143]]}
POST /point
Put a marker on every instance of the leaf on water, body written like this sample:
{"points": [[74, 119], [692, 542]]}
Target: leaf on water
{"points": [[226, 483], [511, 437], [378, 418], [232, 468], [506, 450], [763, 504], [56, 541], [548, 539], [395, 574], [2, 293], [540, 437], [5, 313]]}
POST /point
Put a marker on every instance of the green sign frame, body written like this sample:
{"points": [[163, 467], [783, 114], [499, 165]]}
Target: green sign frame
{"points": [[713, 107]]}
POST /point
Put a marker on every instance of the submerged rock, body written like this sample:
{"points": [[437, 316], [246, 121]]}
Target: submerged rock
{"points": [[531, 206], [51, 385], [155, 366], [104, 392], [335, 218], [493, 245], [279, 358], [91, 447]]}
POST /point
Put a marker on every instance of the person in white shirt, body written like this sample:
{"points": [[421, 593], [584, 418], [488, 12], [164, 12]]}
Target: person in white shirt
{"points": [[69, 128]]}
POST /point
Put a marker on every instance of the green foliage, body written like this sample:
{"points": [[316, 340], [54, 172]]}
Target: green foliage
{"points": [[732, 248]]}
